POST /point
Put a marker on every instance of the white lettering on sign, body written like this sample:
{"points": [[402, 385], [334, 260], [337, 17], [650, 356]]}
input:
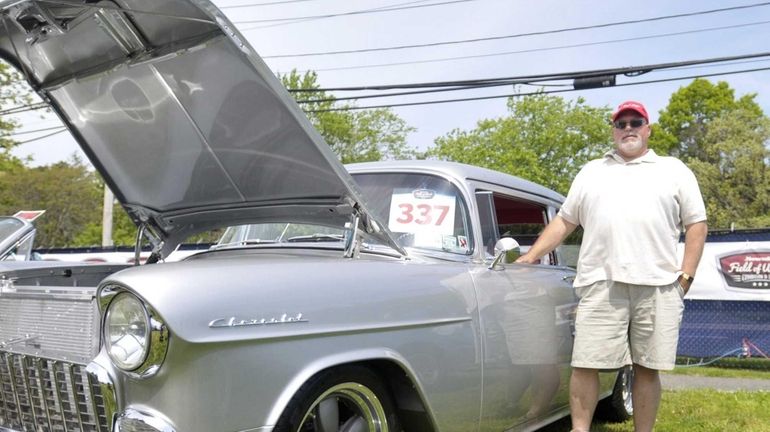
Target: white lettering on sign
{"points": [[422, 211]]}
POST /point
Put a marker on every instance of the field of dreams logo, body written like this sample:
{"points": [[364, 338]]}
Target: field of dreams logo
{"points": [[746, 269]]}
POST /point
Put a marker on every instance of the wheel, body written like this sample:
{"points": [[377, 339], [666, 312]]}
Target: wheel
{"points": [[349, 399], [619, 407]]}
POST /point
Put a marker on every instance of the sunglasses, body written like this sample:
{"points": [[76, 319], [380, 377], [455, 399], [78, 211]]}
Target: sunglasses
{"points": [[635, 123]]}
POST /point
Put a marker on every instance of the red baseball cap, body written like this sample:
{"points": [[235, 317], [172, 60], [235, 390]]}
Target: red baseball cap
{"points": [[631, 106]]}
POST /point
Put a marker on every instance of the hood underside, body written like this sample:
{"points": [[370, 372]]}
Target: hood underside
{"points": [[188, 126]]}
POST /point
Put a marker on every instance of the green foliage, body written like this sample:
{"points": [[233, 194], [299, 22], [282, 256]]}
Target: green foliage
{"points": [[123, 229], [68, 191], [545, 139], [723, 140], [12, 93], [733, 170], [355, 136], [682, 125], [698, 410]]}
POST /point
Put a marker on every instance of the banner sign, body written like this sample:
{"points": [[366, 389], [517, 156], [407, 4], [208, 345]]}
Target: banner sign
{"points": [[750, 270], [734, 270]]}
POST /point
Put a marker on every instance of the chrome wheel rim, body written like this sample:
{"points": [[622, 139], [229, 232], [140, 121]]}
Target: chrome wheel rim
{"points": [[627, 383], [346, 407]]}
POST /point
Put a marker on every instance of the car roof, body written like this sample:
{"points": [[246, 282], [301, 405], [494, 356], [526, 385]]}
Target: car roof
{"points": [[459, 171]]}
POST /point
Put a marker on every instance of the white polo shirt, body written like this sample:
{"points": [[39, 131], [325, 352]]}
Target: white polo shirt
{"points": [[632, 214]]}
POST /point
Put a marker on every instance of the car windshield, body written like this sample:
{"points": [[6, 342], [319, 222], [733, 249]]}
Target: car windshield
{"points": [[9, 227], [422, 211]]}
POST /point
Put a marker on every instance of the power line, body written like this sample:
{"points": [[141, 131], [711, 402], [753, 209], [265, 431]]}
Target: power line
{"points": [[296, 21], [520, 35], [252, 5], [358, 12], [470, 99], [551, 48], [24, 108], [30, 131], [42, 137], [523, 79]]}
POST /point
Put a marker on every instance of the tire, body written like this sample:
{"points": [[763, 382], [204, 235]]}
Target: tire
{"points": [[618, 407], [346, 399]]}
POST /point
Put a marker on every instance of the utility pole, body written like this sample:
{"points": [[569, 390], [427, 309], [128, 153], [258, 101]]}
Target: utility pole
{"points": [[109, 199]]}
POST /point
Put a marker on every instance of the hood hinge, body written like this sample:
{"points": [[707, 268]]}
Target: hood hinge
{"points": [[145, 230], [354, 237]]}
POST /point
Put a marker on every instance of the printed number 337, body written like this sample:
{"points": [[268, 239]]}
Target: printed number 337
{"points": [[422, 214]]}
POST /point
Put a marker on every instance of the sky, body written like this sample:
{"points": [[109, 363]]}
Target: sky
{"points": [[280, 29]]}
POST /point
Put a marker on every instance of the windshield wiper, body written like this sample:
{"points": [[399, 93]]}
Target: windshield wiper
{"points": [[243, 243], [318, 237]]}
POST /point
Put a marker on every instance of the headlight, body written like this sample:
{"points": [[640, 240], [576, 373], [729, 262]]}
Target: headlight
{"points": [[127, 331]]}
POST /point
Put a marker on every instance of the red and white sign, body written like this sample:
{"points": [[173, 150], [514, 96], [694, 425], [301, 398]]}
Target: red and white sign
{"points": [[29, 215], [422, 211], [746, 269]]}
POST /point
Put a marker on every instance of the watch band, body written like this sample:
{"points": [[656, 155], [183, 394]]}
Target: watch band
{"points": [[687, 277]]}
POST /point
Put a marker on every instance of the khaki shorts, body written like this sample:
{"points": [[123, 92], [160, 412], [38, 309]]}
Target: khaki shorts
{"points": [[619, 323]]}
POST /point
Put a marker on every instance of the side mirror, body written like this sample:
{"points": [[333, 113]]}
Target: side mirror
{"points": [[506, 251]]}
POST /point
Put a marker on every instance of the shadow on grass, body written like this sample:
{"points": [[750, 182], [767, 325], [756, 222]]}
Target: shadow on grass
{"points": [[564, 425]]}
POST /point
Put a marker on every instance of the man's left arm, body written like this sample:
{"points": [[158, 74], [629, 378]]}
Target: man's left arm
{"points": [[694, 240]]}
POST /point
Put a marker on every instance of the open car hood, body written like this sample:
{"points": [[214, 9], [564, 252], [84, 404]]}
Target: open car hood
{"points": [[184, 121]]}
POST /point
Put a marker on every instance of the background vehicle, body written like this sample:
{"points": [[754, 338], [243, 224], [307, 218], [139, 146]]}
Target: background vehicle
{"points": [[16, 238]]}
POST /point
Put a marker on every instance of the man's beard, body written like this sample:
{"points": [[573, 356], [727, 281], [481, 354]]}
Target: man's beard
{"points": [[631, 146]]}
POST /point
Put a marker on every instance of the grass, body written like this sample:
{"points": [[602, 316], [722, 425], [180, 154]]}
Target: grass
{"points": [[699, 411], [702, 410], [711, 371]]}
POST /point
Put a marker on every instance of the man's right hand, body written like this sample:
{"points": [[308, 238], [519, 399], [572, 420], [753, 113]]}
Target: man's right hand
{"points": [[527, 259]]}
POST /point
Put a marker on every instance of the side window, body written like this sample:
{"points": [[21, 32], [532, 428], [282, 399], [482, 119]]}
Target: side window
{"points": [[523, 220], [489, 235], [24, 248]]}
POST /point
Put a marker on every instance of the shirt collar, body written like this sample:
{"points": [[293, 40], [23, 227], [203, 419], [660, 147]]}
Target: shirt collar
{"points": [[649, 157]]}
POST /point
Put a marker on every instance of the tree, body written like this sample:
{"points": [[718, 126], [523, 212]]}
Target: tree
{"points": [[13, 93], [68, 191], [682, 125], [123, 229], [733, 170], [544, 138], [355, 136]]}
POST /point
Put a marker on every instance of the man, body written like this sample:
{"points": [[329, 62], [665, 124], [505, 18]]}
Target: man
{"points": [[632, 205]]}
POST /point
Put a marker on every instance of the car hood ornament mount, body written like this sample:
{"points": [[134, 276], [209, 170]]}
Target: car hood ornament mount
{"points": [[184, 121]]}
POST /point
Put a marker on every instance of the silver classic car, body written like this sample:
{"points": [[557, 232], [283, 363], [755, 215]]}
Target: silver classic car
{"points": [[16, 238], [377, 297]]}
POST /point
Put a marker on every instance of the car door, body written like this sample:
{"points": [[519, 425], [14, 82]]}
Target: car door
{"points": [[526, 315]]}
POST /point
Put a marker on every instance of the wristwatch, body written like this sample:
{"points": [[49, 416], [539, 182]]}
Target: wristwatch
{"points": [[687, 277]]}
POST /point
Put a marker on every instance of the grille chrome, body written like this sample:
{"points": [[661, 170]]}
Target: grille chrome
{"points": [[51, 322], [43, 395]]}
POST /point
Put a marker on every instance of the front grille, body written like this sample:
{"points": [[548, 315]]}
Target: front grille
{"points": [[52, 322], [41, 395]]}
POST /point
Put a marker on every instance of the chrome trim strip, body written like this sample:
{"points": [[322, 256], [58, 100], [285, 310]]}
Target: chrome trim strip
{"points": [[2, 395], [57, 392], [73, 386], [94, 408], [41, 388], [9, 365], [27, 388], [98, 376], [337, 331]]}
